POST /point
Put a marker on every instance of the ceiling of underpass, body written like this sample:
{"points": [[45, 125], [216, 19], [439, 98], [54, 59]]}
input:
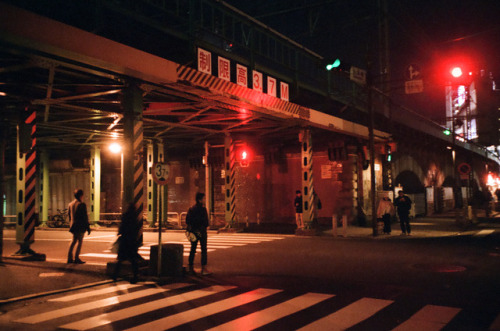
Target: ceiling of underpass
{"points": [[78, 106]]}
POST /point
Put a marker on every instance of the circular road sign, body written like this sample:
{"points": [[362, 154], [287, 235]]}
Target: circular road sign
{"points": [[161, 173], [464, 168]]}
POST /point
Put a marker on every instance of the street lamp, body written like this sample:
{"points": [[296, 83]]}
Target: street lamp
{"points": [[116, 148]]}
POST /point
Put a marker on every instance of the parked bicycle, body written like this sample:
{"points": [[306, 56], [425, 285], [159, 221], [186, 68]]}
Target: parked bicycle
{"points": [[59, 220]]}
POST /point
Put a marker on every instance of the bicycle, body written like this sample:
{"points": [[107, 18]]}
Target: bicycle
{"points": [[59, 220]]}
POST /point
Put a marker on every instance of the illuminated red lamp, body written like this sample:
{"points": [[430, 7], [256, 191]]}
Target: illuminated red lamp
{"points": [[456, 72], [244, 157]]}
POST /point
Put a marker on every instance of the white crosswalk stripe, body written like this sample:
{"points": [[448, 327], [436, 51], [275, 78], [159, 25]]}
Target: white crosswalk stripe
{"points": [[132, 307], [215, 242], [484, 233], [429, 318], [350, 315]]}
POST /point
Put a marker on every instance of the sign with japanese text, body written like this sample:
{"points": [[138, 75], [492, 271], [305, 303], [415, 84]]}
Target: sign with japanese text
{"points": [[204, 61], [358, 75], [257, 81], [284, 91], [271, 86], [224, 68], [241, 75], [414, 86]]}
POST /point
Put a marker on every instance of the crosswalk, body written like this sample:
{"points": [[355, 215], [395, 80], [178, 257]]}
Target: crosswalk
{"points": [[215, 241], [149, 306]]}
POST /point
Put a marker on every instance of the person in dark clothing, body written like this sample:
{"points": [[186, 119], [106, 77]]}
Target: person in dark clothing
{"points": [[403, 204], [78, 225], [128, 242], [298, 209], [197, 223]]}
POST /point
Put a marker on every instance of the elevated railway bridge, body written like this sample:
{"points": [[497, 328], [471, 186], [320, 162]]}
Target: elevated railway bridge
{"points": [[195, 84]]}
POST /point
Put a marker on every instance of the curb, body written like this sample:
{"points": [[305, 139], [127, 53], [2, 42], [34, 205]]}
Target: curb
{"points": [[38, 295]]}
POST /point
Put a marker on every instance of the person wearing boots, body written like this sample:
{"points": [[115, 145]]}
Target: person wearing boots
{"points": [[78, 225], [197, 223]]}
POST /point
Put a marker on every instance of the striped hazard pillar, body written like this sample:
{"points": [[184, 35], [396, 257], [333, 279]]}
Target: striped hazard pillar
{"points": [[308, 204], [26, 183], [133, 144], [230, 187], [151, 186]]}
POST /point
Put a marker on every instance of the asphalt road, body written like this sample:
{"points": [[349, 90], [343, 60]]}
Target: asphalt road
{"points": [[457, 272]]}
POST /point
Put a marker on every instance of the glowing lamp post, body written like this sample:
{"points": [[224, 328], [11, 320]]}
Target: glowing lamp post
{"points": [[116, 148]]}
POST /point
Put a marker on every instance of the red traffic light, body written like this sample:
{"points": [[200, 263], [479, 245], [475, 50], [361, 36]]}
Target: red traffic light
{"points": [[244, 156], [456, 72]]}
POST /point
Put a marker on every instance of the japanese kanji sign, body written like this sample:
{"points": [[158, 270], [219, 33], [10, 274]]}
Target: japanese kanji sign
{"points": [[241, 75], [204, 61], [224, 68]]}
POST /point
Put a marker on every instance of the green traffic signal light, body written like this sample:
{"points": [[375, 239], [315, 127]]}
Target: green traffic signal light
{"points": [[446, 132], [335, 64]]}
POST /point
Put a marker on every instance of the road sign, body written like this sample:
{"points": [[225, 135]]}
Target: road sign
{"points": [[358, 75], [414, 83], [161, 173], [412, 72], [464, 168], [414, 86]]}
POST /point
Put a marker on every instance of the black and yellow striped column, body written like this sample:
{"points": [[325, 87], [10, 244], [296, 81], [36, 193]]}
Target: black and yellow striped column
{"points": [[44, 189], [26, 183], [230, 187], [95, 185], [133, 174], [308, 205], [151, 185]]}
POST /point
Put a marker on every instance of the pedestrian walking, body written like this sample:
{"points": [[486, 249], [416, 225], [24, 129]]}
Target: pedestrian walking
{"points": [[298, 209], [197, 223], [129, 242], [78, 225], [403, 204], [385, 211]]}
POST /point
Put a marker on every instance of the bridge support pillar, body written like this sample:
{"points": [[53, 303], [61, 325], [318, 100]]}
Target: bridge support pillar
{"points": [[352, 156], [308, 195], [26, 185], [44, 190], [229, 169], [95, 185], [152, 187], [162, 199], [208, 183], [133, 185]]}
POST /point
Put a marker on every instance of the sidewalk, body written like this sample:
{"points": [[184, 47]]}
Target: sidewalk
{"points": [[25, 279], [20, 279]]}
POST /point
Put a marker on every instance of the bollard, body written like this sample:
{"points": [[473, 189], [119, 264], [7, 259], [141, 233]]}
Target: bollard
{"points": [[334, 225], [344, 226]]}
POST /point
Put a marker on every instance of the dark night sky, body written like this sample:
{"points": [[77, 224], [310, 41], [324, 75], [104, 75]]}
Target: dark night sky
{"points": [[423, 32]]}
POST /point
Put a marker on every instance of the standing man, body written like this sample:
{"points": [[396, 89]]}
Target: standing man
{"points": [[78, 224], [197, 223], [298, 209], [403, 203]]}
